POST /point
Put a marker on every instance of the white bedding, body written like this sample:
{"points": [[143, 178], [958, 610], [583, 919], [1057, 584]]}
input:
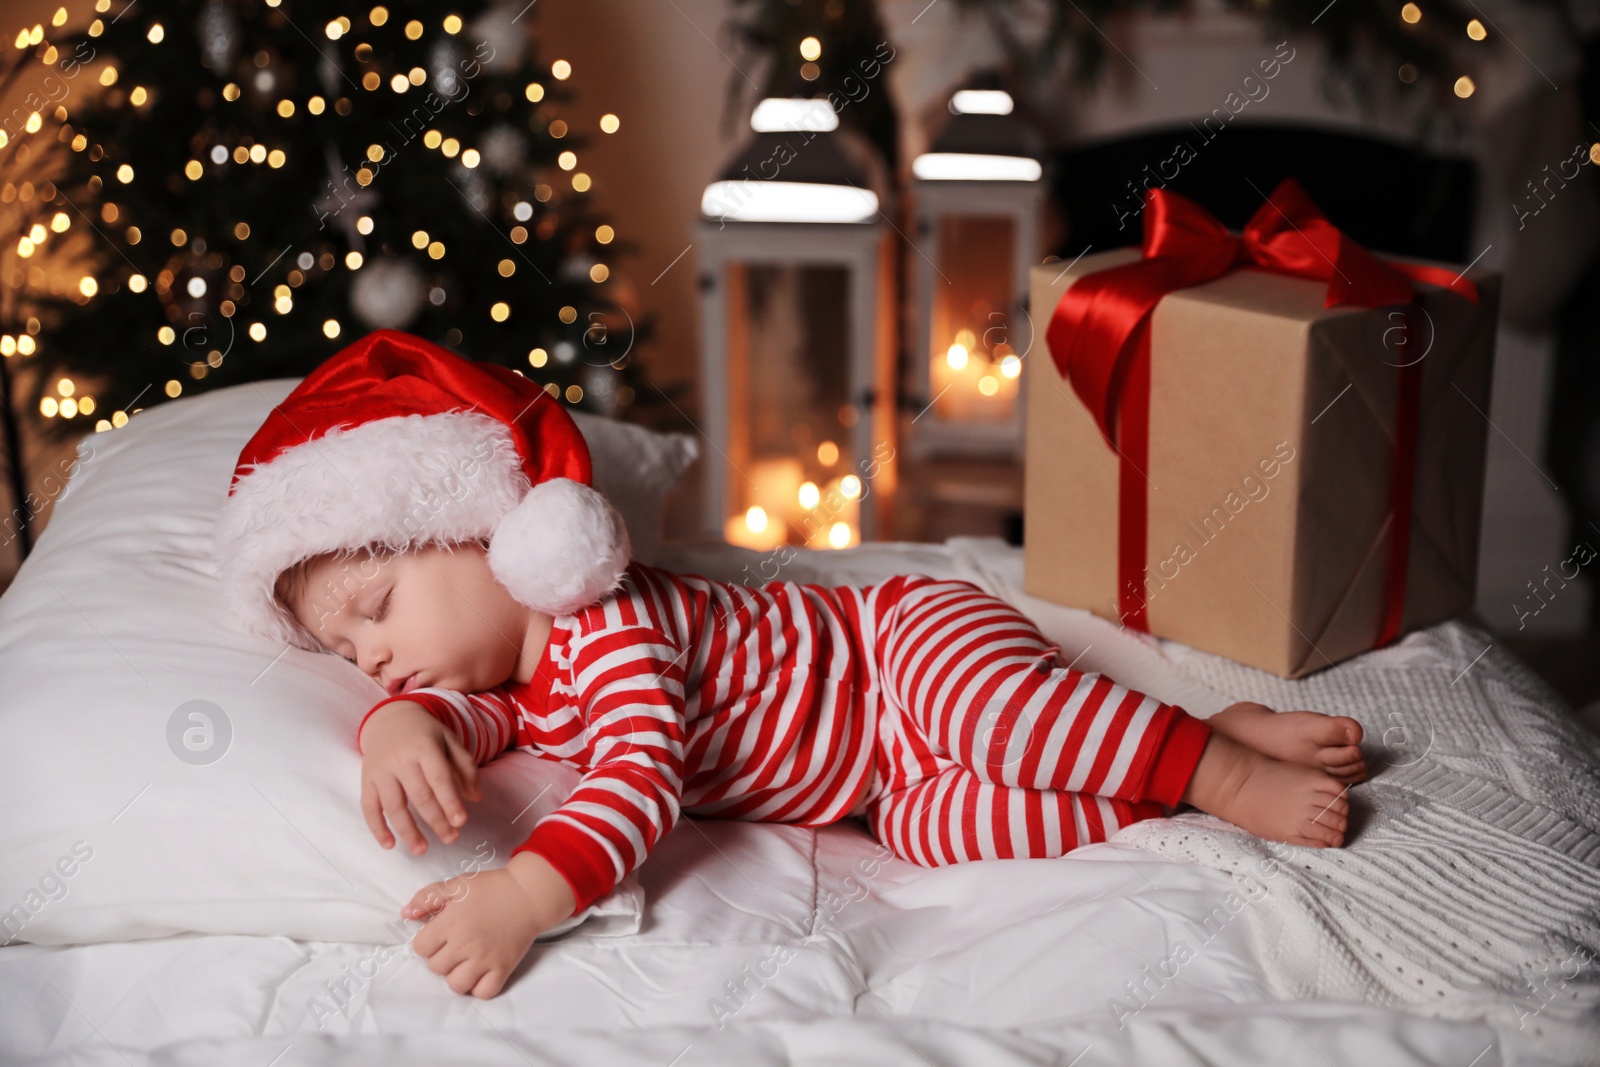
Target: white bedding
{"points": [[843, 955]]}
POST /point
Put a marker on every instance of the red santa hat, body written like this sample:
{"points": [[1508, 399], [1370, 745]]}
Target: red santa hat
{"points": [[397, 441]]}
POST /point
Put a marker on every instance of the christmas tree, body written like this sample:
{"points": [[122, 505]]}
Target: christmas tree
{"points": [[264, 181]]}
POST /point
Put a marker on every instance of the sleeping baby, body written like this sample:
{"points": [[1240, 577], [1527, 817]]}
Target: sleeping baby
{"points": [[500, 609]]}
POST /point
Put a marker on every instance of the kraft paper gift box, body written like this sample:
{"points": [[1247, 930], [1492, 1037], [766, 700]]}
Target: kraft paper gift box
{"points": [[1271, 455]]}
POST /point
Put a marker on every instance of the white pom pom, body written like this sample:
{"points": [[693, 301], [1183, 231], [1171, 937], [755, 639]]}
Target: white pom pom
{"points": [[561, 549]]}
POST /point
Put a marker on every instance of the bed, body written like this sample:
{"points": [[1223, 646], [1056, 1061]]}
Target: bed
{"points": [[229, 910]]}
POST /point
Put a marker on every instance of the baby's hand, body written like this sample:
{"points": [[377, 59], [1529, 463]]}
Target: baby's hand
{"points": [[483, 923], [407, 754]]}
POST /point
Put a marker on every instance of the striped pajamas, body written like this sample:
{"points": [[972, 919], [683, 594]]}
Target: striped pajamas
{"points": [[989, 748], [933, 710]]}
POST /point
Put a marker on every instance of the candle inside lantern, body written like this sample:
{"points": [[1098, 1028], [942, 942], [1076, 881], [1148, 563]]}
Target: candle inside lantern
{"points": [[972, 384], [771, 488]]}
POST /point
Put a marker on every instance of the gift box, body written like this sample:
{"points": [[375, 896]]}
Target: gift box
{"points": [[1267, 444]]}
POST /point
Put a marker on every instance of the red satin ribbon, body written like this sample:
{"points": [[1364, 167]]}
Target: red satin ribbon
{"points": [[1099, 338]]}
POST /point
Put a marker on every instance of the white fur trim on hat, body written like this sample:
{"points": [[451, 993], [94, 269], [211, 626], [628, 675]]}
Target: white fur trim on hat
{"points": [[405, 482]]}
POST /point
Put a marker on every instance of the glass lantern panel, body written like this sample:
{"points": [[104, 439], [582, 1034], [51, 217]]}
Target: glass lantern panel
{"points": [[791, 465], [973, 371]]}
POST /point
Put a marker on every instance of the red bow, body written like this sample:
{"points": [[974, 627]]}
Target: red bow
{"points": [[1099, 338]]}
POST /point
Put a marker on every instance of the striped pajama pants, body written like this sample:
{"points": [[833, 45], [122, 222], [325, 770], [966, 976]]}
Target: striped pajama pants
{"points": [[989, 748]]}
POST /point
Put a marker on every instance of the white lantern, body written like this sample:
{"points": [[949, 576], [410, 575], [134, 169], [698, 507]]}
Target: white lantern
{"points": [[978, 197], [797, 356]]}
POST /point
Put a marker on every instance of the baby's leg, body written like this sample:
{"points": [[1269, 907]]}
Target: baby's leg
{"points": [[974, 678], [955, 816]]}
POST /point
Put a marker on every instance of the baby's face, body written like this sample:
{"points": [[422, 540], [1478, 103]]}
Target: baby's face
{"points": [[436, 613]]}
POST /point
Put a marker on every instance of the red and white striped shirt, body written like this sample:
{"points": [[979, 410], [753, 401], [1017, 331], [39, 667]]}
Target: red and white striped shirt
{"points": [[680, 692]]}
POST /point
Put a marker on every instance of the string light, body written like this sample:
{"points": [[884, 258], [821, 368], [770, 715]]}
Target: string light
{"points": [[1464, 87], [179, 279], [1411, 13], [1476, 31]]}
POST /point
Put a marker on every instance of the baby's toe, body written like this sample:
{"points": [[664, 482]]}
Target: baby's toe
{"points": [[1320, 829], [1306, 842], [1332, 820], [1350, 773]]}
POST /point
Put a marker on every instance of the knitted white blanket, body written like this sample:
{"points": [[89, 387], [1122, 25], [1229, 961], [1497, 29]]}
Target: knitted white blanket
{"points": [[1469, 884]]}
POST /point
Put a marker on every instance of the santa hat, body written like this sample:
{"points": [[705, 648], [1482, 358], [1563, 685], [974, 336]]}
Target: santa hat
{"points": [[399, 442]]}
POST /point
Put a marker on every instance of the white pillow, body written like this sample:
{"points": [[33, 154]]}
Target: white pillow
{"points": [[166, 773], [635, 469]]}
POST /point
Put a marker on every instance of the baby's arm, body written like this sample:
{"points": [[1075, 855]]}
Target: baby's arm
{"points": [[631, 690], [630, 683], [424, 747]]}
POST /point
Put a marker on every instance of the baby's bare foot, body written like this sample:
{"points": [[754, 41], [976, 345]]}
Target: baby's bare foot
{"points": [[1269, 797], [1330, 743]]}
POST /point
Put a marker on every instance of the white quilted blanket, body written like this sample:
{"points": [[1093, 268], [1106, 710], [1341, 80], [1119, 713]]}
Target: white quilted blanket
{"points": [[1469, 887]]}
